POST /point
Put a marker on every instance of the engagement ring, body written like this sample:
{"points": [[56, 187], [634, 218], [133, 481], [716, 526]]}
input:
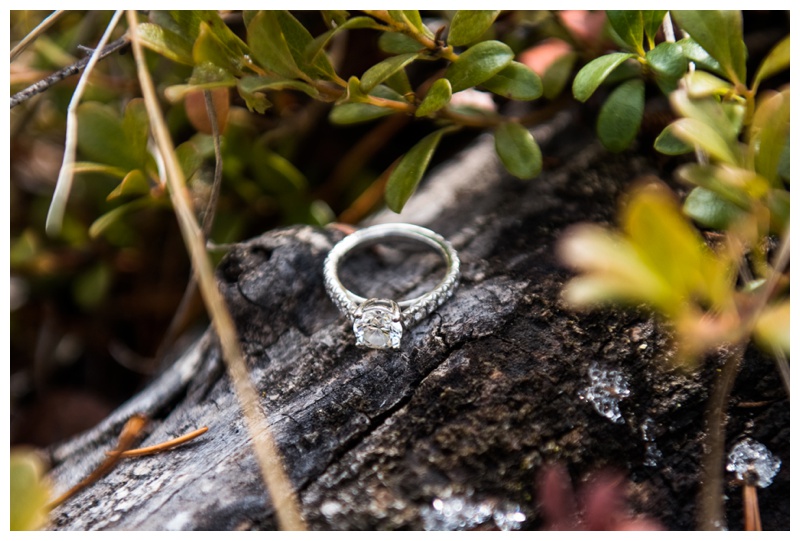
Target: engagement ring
{"points": [[379, 323]]}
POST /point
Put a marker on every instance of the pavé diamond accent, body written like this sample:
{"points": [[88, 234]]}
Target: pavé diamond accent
{"points": [[377, 324]]}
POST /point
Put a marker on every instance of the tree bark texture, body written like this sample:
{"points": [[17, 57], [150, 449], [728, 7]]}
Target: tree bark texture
{"points": [[482, 395]]}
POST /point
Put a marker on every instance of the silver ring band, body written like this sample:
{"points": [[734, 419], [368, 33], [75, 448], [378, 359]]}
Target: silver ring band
{"points": [[379, 323]]}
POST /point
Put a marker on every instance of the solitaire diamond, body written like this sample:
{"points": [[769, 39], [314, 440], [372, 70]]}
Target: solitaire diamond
{"points": [[377, 324]]}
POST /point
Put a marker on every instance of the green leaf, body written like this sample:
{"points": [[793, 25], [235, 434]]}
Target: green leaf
{"points": [[385, 69], [318, 44], [621, 115], [266, 40], [595, 72], [134, 183], [90, 167], [652, 20], [136, 125], [165, 43], [668, 64], [299, 40], [399, 82], [205, 76], [695, 53], [412, 18], [516, 81], [277, 174], [711, 210], [352, 113], [629, 26], [720, 33], [108, 219], [90, 287], [557, 75], [209, 48], [102, 138], [518, 150], [776, 61], [255, 83], [724, 117], [189, 158], [478, 64], [469, 25], [779, 205], [700, 134], [769, 134], [667, 143], [437, 97], [397, 43], [29, 489], [701, 84], [335, 17], [406, 175]]}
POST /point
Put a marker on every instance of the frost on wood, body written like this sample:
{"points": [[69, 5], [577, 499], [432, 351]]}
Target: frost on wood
{"points": [[606, 388]]}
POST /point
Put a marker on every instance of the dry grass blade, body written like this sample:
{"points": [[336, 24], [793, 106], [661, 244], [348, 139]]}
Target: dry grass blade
{"points": [[36, 32], [58, 204], [164, 446], [266, 451], [752, 516]]}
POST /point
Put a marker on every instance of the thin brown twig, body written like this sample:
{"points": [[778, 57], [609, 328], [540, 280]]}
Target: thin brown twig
{"points": [[69, 71], [129, 434], [164, 446]]}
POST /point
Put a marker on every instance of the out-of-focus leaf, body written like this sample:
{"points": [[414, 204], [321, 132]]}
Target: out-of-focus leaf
{"points": [[629, 26], [109, 218], [701, 84], [769, 134], [90, 287], [268, 44], [667, 143], [652, 20], [516, 81], [694, 52], [412, 18], [776, 61], [557, 75], [720, 33], [277, 174], [772, 327], [189, 158], [397, 43], [136, 125], [29, 491], [318, 44], [477, 64], [778, 203], [205, 76], [406, 175], [134, 183], [517, 150], [700, 134], [784, 161], [595, 72], [102, 138], [437, 97], [385, 69], [621, 115], [711, 210], [90, 167], [352, 113], [469, 25], [673, 249], [737, 185], [668, 63], [399, 82], [165, 43], [335, 18], [209, 48]]}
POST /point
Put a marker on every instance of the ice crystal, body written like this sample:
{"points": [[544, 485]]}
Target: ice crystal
{"points": [[752, 462], [457, 513], [606, 389]]}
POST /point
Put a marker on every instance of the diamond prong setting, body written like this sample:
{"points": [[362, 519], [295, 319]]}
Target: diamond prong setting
{"points": [[377, 324]]}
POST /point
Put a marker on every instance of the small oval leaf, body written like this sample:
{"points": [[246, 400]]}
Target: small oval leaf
{"points": [[704, 136], [621, 115], [595, 72], [134, 183], [710, 210], [437, 97], [720, 33], [266, 40], [408, 172], [478, 64], [667, 143], [776, 61], [629, 26], [385, 69], [469, 25], [397, 43], [518, 150], [516, 81]]}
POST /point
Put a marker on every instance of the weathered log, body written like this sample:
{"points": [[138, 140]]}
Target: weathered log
{"points": [[481, 396]]}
